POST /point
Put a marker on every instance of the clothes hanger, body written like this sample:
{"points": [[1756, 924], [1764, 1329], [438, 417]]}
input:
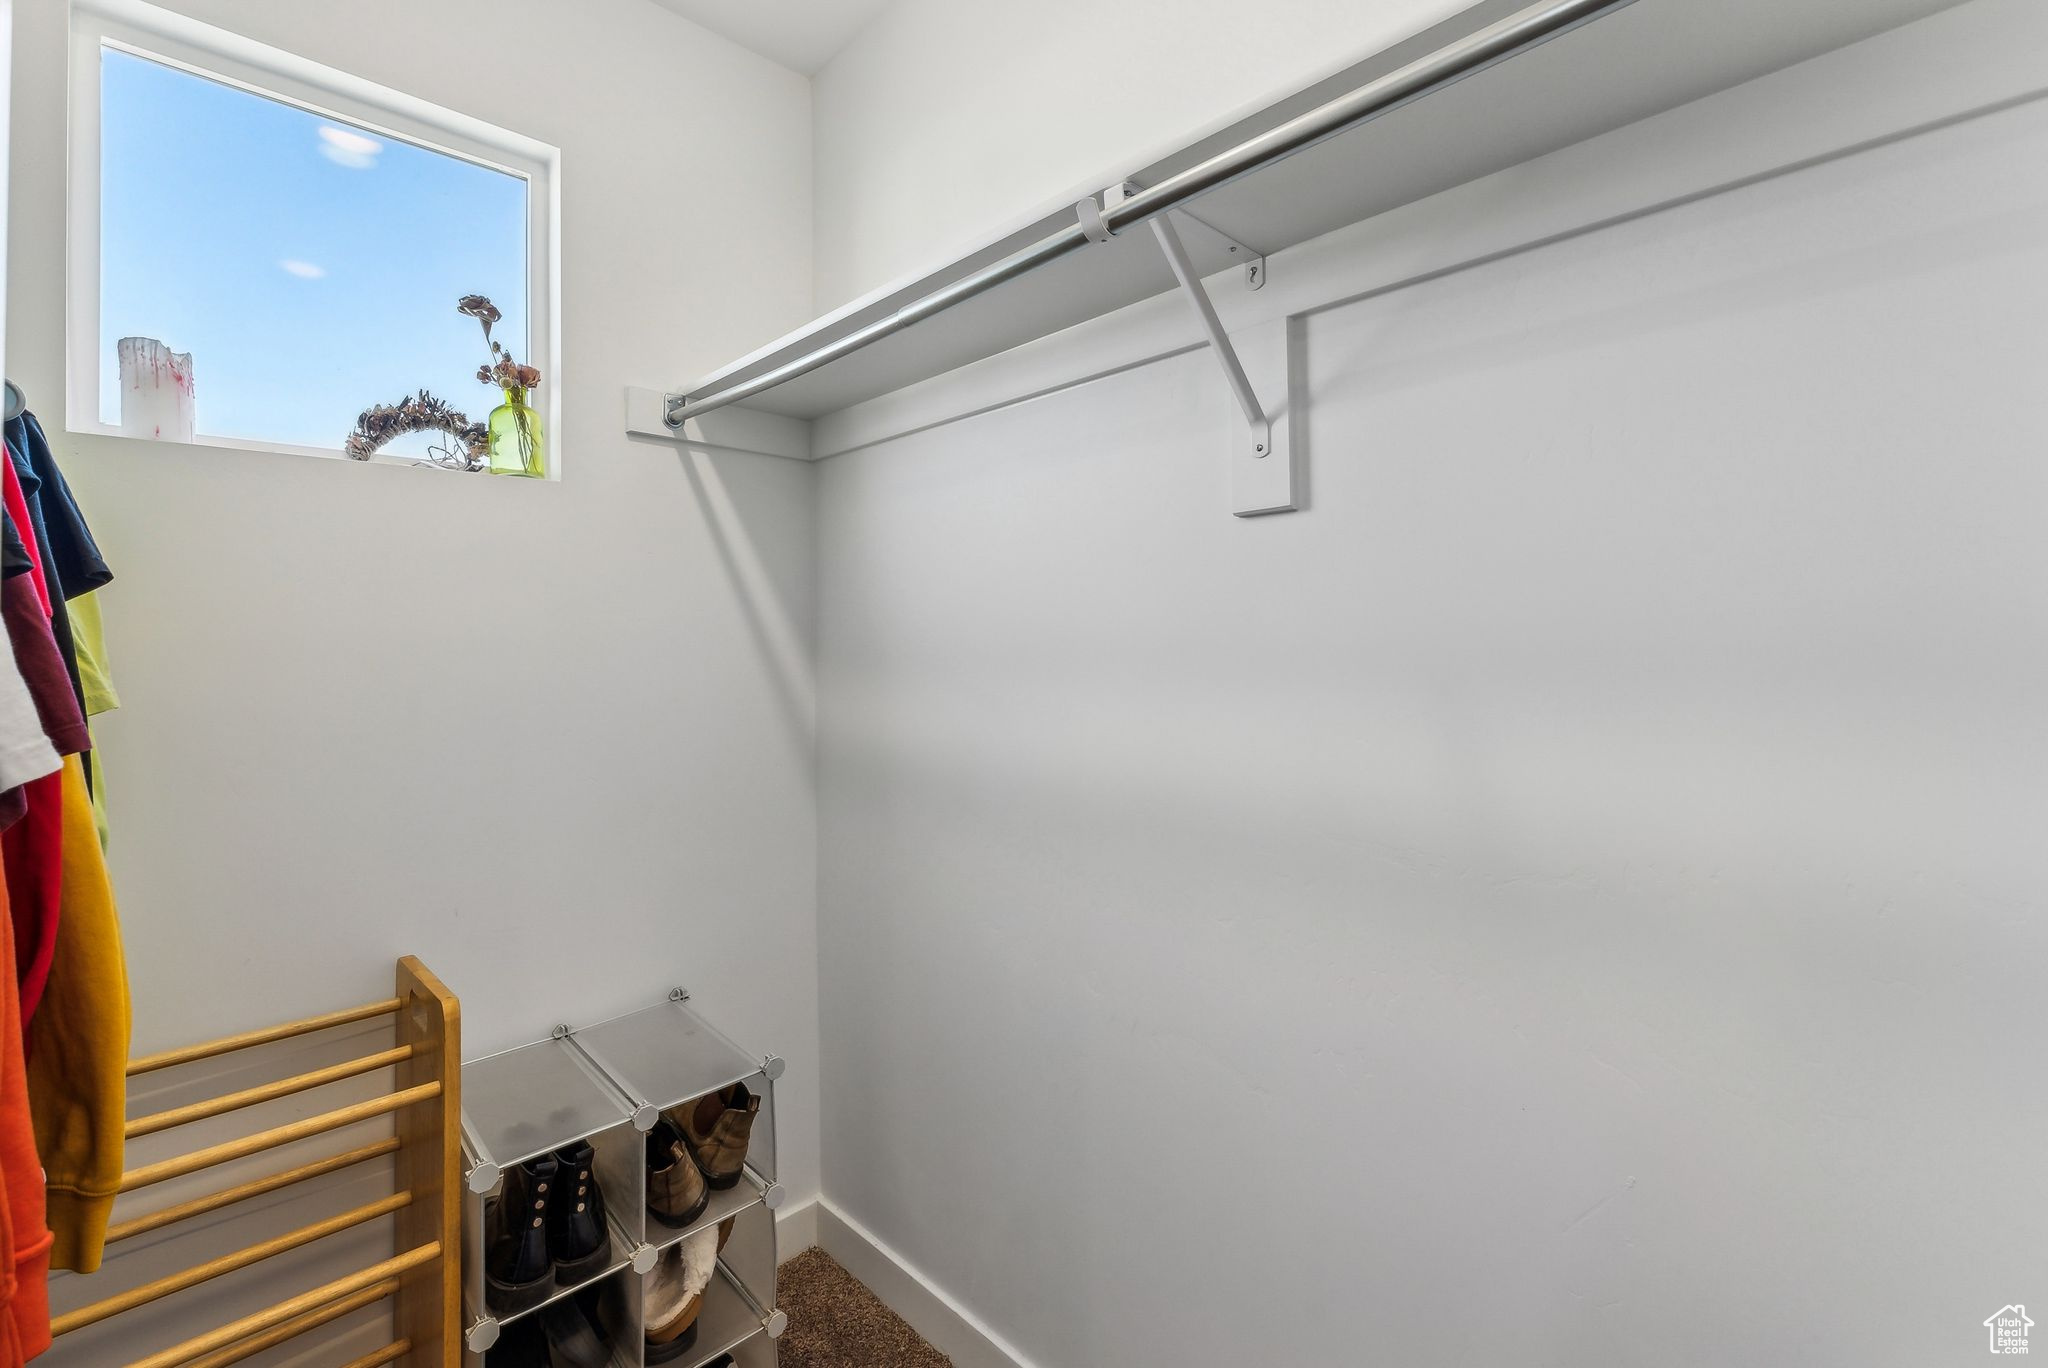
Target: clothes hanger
{"points": [[17, 402]]}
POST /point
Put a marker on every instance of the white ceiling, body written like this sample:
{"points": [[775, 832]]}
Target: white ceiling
{"points": [[801, 34]]}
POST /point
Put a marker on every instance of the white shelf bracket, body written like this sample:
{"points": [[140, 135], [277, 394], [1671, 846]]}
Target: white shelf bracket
{"points": [[1264, 452], [1241, 253], [733, 429], [1260, 437]]}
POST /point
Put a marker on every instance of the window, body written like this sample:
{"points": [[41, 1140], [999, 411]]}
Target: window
{"points": [[301, 235]]}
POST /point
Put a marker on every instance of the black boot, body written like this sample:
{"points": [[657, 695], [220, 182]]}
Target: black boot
{"points": [[517, 1269], [573, 1338], [523, 1345], [579, 1240]]}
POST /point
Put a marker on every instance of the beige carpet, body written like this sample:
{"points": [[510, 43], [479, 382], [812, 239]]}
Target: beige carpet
{"points": [[835, 1322]]}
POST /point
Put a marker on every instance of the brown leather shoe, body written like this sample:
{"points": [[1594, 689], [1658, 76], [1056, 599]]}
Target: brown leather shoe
{"points": [[718, 1127], [676, 1191]]}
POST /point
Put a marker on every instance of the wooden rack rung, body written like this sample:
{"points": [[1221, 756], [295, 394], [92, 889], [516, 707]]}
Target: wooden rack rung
{"points": [[222, 1153], [390, 1353], [296, 1326], [268, 1092], [241, 1192], [229, 1044], [226, 1263], [196, 1348]]}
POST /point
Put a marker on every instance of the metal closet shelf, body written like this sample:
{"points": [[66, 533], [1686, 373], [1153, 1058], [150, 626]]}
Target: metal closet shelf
{"points": [[1498, 84]]}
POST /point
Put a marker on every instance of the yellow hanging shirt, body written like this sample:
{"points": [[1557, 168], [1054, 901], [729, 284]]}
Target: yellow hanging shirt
{"points": [[78, 1046], [96, 682]]}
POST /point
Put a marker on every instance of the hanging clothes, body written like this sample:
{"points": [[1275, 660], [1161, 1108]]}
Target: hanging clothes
{"points": [[43, 666], [26, 753], [32, 853], [32, 846], [77, 569], [14, 553], [61, 529], [25, 1237], [78, 1049], [70, 558], [26, 757], [74, 1006], [96, 681]]}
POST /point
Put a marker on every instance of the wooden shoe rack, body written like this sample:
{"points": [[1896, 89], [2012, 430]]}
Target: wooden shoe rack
{"points": [[186, 1283], [608, 1084]]}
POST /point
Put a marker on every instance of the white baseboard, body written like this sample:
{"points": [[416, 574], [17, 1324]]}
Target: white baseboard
{"points": [[952, 1329], [796, 1230]]}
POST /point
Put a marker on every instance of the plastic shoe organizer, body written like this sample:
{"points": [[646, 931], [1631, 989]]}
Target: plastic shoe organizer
{"points": [[608, 1085]]}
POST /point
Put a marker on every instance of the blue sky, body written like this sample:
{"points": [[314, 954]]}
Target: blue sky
{"points": [[310, 268]]}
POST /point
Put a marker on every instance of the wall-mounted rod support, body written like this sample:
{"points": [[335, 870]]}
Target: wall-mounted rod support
{"points": [[1219, 341], [1525, 29]]}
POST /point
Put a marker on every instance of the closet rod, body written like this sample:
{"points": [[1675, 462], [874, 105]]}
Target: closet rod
{"points": [[1497, 42]]}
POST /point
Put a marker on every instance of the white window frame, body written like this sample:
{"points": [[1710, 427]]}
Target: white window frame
{"points": [[241, 63]]}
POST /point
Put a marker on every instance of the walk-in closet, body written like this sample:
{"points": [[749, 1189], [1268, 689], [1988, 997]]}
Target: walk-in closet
{"points": [[962, 684]]}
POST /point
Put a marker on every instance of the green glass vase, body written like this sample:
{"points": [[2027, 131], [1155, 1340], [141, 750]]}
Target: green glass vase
{"points": [[518, 445]]}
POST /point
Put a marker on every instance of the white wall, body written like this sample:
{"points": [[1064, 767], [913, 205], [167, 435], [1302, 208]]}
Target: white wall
{"points": [[553, 738], [945, 120], [1570, 897]]}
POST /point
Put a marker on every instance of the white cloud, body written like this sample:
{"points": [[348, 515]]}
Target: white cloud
{"points": [[346, 147], [304, 270]]}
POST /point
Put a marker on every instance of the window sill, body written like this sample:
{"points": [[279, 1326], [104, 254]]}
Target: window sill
{"points": [[206, 442]]}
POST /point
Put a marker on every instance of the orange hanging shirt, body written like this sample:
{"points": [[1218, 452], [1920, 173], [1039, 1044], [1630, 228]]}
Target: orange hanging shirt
{"points": [[24, 1239]]}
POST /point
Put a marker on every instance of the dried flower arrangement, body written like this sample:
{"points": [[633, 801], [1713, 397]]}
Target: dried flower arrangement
{"points": [[502, 371], [516, 443], [421, 412], [518, 448]]}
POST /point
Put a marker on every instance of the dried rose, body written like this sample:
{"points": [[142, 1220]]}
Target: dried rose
{"points": [[528, 377], [480, 308]]}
